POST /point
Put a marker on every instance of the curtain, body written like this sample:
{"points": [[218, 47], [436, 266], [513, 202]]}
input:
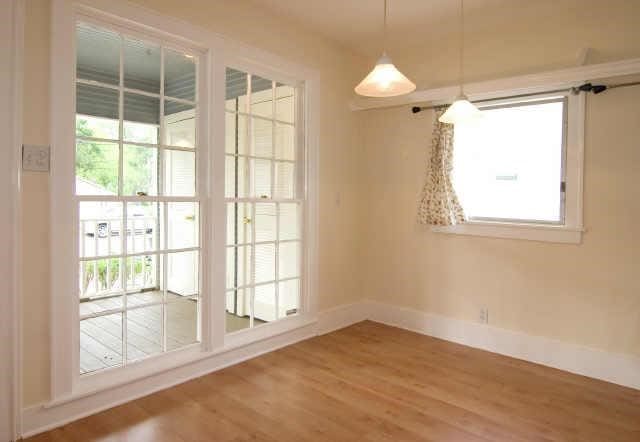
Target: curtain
{"points": [[439, 205]]}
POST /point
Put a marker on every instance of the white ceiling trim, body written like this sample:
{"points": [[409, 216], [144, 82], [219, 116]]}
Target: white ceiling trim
{"points": [[523, 84]]}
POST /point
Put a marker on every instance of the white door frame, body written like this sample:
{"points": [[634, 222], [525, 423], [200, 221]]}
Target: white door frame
{"points": [[11, 46]]}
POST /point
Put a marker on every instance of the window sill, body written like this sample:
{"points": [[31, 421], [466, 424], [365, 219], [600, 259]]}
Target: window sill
{"points": [[530, 232]]}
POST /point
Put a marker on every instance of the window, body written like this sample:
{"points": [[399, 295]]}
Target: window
{"points": [[137, 198], [174, 246], [517, 170], [509, 165], [264, 169]]}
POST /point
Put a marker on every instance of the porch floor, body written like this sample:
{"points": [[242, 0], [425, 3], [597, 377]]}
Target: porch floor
{"points": [[101, 337]]}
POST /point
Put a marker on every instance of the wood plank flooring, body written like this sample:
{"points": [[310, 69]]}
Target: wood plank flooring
{"points": [[371, 382], [101, 337]]}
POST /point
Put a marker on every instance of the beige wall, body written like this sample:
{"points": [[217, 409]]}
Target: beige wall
{"points": [[372, 167], [339, 144], [587, 294], [522, 37], [35, 208]]}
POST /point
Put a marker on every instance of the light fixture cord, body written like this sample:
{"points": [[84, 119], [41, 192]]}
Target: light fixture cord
{"points": [[384, 30], [461, 47]]}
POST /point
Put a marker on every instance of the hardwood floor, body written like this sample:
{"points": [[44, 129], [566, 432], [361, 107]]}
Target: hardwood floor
{"points": [[371, 382]]}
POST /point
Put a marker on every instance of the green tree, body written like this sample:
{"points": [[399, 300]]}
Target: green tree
{"points": [[138, 164], [98, 162]]}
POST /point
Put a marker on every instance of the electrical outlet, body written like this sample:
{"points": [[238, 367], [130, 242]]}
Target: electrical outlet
{"points": [[35, 158], [484, 315]]}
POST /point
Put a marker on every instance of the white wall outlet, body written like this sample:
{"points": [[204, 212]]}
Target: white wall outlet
{"points": [[484, 315], [35, 158]]}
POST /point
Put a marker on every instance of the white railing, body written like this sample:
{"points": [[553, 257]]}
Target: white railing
{"points": [[102, 238]]}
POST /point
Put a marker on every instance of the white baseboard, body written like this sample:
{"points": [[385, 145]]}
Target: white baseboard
{"points": [[341, 317], [619, 369], [611, 367]]}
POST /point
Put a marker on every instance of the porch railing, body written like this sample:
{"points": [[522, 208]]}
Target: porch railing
{"points": [[102, 238]]}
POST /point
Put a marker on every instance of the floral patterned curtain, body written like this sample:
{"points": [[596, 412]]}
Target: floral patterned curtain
{"points": [[439, 205]]}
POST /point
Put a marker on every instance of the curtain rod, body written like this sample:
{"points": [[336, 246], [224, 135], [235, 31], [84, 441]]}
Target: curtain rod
{"points": [[587, 87]]}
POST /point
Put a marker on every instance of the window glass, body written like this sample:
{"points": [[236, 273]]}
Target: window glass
{"points": [[141, 118], [97, 166], [97, 54], [179, 173], [508, 165], [179, 75], [141, 65], [261, 97], [263, 207], [236, 88], [139, 250], [179, 124], [140, 170], [285, 103]]}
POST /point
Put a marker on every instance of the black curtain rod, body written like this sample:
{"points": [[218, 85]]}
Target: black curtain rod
{"points": [[587, 87]]}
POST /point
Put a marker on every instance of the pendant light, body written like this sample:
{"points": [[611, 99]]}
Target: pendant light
{"points": [[385, 80], [461, 109]]}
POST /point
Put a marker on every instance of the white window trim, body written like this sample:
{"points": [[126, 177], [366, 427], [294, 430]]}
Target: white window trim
{"points": [[11, 80], [66, 384], [570, 231]]}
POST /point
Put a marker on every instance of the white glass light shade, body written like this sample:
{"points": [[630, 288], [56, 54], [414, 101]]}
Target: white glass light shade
{"points": [[460, 111], [385, 80]]}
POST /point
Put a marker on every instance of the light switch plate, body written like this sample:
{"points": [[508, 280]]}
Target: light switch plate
{"points": [[35, 158]]}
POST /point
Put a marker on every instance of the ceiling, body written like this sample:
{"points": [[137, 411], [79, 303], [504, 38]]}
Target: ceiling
{"points": [[357, 24]]}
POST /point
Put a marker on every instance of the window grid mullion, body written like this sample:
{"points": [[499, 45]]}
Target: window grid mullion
{"points": [[161, 131], [277, 263], [273, 141], [264, 283], [252, 157], [265, 200], [249, 140], [165, 272], [143, 253], [259, 117], [136, 198], [257, 243], [82, 247], [235, 208], [137, 143], [273, 194], [134, 91], [252, 266], [123, 239], [162, 165], [124, 271], [248, 182], [108, 312]]}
